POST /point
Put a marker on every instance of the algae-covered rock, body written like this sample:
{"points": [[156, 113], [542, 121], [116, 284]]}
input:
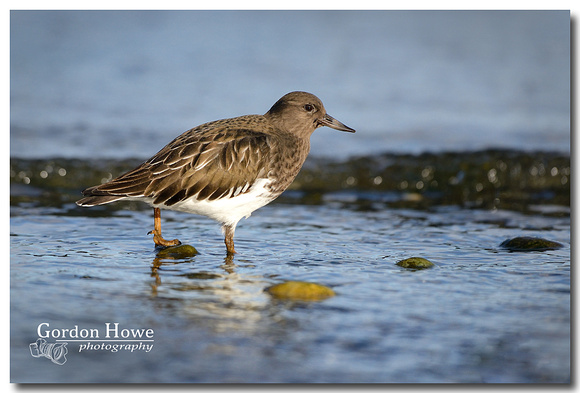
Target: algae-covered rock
{"points": [[415, 263], [525, 243], [177, 252], [300, 290]]}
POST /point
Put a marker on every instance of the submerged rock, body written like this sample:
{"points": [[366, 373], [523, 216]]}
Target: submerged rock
{"points": [[177, 252], [525, 243], [300, 290], [415, 263]]}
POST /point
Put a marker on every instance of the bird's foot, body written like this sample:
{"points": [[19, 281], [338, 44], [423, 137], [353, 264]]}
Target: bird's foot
{"points": [[161, 242]]}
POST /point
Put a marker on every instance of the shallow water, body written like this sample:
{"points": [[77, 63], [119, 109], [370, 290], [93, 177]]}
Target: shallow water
{"points": [[482, 314]]}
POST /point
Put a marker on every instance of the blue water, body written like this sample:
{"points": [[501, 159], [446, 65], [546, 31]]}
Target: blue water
{"points": [[482, 314], [119, 84]]}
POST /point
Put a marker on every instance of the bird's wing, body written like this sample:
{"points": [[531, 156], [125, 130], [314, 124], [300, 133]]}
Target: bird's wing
{"points": [[205, 165]]}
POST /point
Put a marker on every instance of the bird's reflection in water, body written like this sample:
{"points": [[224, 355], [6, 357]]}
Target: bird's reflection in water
{"points": [[228, 264], [219, 297], [165, 257]]}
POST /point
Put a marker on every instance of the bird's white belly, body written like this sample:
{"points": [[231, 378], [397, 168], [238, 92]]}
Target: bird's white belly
{"points": [[227, 211]]}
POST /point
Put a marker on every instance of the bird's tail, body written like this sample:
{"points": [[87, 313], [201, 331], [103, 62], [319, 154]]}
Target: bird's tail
{"points": [[98, 200], [94, 197]]}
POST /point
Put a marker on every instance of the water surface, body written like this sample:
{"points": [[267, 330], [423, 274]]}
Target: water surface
{"points": [[483, 314]]}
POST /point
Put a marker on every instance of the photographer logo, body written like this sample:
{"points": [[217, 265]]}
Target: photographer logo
{"points": [[111, 338]]}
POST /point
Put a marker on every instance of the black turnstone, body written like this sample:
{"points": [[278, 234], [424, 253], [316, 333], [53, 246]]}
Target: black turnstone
{"points": [[224, 169]]}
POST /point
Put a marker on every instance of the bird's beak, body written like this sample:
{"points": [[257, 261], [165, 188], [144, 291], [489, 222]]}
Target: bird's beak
{"points": [[331, 122]]}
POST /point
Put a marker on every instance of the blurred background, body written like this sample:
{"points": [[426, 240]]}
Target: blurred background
{"points": [[122, 84]]}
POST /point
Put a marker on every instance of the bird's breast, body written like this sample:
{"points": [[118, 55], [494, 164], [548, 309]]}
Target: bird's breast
{"points": [[228, 210]]}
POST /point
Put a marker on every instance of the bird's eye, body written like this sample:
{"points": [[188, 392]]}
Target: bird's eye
{"points": [[308, 107]]}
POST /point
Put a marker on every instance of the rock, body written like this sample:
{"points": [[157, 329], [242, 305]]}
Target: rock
{"points": [[415, 263], [177, 252], [300, 290], [525, 243]]}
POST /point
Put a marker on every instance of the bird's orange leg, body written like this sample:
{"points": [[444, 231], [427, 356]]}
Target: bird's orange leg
{"points": [[157, 238]]}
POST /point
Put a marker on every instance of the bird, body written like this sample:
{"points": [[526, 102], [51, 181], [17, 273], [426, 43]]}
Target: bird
{"points": [[224, 169]]}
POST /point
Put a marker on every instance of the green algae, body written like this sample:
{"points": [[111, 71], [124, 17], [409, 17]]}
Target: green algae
{"points": [[300, 290], [415, 263], [177, 252], [525, 243]]}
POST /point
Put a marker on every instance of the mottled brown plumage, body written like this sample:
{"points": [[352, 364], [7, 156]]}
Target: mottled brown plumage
{"points": [[224, 169]]}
